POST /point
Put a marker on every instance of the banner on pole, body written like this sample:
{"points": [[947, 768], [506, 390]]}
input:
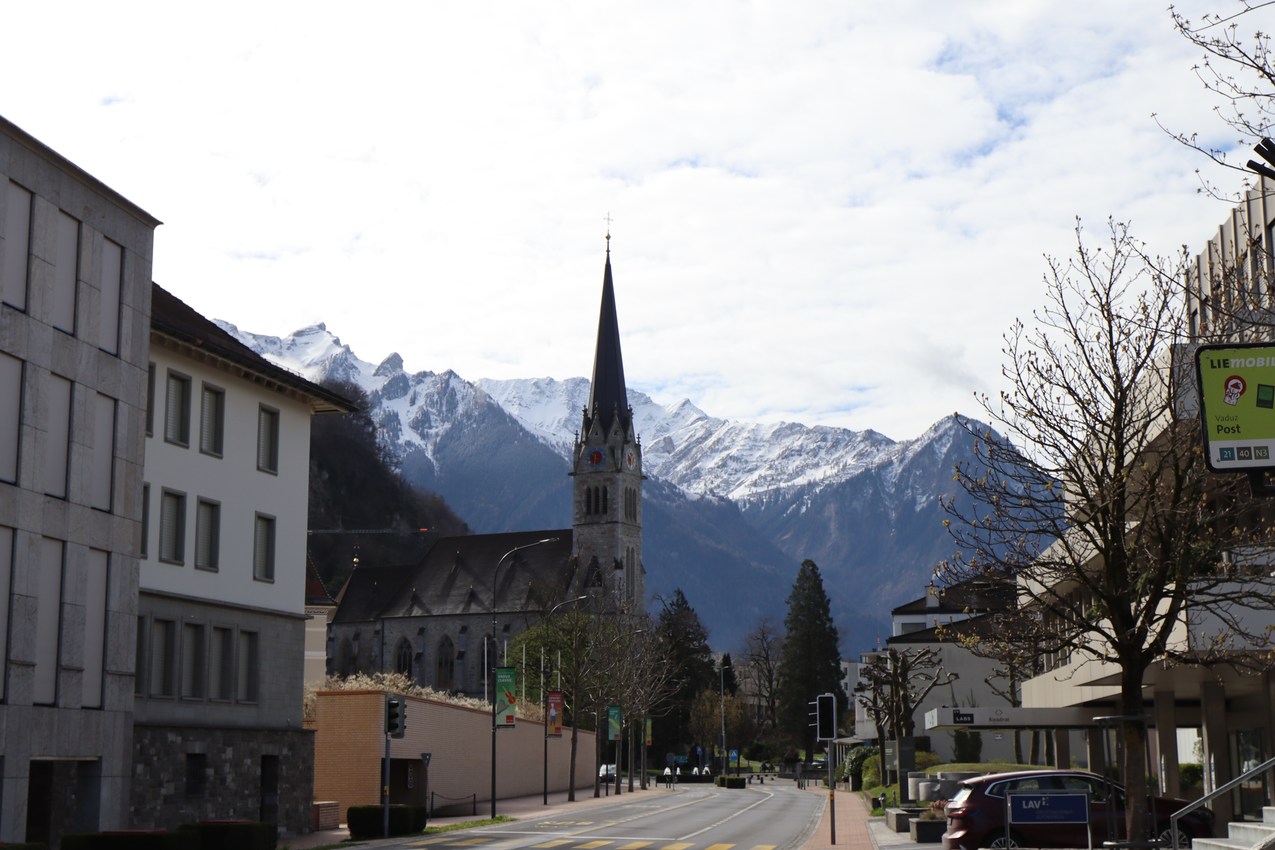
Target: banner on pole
{"points": [[613, 723], [554, 699], [506, 695], [649, 739]]}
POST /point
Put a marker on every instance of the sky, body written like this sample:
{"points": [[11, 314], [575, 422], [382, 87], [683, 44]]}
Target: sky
{"points": [[821, 212]]}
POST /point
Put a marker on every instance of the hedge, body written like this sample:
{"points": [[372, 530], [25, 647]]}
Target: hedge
{"points": [[731, 781], [236, 834], [369, 821], [141, 839]]}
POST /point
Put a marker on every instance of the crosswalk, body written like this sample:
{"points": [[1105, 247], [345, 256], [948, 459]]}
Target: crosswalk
{"points": [[441, 841]]}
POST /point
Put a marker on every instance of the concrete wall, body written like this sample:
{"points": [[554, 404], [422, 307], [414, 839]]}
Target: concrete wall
{"points": [[349, 745]]}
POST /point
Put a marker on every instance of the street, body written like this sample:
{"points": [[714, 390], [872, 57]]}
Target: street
{"points": [[699, 818]]}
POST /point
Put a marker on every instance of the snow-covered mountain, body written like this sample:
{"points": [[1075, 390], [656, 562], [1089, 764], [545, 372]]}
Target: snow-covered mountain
{"points": [[732, 508]]}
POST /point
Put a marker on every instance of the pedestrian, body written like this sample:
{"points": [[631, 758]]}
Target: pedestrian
{"points": [[668, 777]]}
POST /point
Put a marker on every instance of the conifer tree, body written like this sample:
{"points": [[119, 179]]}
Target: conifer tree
{"points": [[681, 630], [811, 660]]}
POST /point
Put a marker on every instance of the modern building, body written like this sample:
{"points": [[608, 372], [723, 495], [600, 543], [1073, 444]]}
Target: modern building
{"points": [[429, 620], [222, 588], [75, 287]]}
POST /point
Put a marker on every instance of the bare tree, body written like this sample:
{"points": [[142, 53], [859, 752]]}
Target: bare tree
{"points": [[1238, 68], [1101, 463], [763, 648]]}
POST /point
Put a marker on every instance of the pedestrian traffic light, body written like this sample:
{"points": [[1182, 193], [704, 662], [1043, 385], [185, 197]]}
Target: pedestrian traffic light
{"points": [[395, 717], [825, 717]]}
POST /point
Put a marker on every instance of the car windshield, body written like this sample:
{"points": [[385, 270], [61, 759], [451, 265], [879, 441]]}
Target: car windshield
{"points": [[961, 796]]}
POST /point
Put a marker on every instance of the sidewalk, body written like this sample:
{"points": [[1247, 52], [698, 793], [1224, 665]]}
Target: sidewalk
{"points": [[517, 807], [856, 828]]}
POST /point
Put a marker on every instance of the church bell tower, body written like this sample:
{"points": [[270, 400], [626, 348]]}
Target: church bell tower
{"points": [[607, 473]]}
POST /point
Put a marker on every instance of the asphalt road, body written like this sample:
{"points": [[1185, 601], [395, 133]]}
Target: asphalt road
{"points": [[696, 818]]}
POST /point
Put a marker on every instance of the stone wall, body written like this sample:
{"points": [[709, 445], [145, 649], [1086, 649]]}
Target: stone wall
{"points": [[181, 775]]}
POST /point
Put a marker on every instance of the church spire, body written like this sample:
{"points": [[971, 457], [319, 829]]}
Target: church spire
{"points": [[608, 396]]}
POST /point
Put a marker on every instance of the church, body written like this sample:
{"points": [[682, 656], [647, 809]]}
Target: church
{"points": [[429, 620]]}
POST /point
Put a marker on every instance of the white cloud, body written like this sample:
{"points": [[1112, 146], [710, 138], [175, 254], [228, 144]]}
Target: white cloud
{"points": [[827, 212]]}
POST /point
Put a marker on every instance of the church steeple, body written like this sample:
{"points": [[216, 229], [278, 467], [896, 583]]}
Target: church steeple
{"points": [[607, 393], [607, 472]]}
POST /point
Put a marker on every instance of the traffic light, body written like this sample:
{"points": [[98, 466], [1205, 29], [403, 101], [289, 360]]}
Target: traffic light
{"points": [[395, 717], [825, 717]]}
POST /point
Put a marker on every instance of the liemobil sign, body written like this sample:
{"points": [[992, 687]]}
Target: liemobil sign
{"points": [[1237, 405]]}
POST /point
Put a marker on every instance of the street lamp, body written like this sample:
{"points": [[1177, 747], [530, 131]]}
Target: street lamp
{"points": [[721, 668], [494, 573], [544, 694]]}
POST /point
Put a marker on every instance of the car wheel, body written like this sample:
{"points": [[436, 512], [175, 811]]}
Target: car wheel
{"points": [[1000, 843], [1166, 838]]}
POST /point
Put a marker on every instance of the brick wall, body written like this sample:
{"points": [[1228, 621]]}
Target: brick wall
{"points": [[349, 745]]}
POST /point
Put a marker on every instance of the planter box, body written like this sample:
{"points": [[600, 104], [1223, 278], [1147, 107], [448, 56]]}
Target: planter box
{"points": [[897, 819], [927, 831]]}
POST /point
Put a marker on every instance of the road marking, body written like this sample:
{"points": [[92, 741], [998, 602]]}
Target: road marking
{"points": [[592, 845], [557, 842], [635, 845], [719, 847], [768, 796], [680, 845]]}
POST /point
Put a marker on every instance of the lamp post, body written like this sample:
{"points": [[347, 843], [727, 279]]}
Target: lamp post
{"points": [[721, 668], [544, 694], [492, 657]]}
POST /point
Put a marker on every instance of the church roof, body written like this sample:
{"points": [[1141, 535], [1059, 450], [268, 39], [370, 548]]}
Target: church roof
{"points": [[607, 393], [455, 577]]}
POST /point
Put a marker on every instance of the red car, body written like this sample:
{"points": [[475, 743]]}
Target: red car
{"points": [[976, 815]]}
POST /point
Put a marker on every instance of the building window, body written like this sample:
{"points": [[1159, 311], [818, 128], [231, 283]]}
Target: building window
{"points": [[172, 527], [103, 463], [96, 583], [193, 654], [268, 440], [403, 658], [57, 436], [196, 774], [163, 644], [10, 416], [6, 585], [221, 663], [445, 666], [139, 660], [150, 400], [177, 409], [65, 272], [263, 548], [212, 420], [17, 241], [345, 658], [248, 667], [144, 548], [207, 534], [109, 280], [48, 621]]}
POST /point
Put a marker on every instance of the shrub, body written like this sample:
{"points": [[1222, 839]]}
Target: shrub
{"points": [[853, 764], [872, 771], [731, 782], [1191, 775], [368, 821], [926, 759], [126, 839], [237, 835]]}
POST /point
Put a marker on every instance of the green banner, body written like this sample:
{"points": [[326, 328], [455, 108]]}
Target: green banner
{"points": [[506, 695], [614, 723], [1237, 405]]}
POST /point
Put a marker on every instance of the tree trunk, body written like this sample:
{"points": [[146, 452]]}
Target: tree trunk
{"points": [[1133, 766], [575, 740]]}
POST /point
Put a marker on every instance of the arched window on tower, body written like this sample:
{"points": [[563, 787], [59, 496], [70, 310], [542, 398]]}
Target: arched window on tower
{"points": [[588, 501], [403, 657], [445, 665], [604, 500]]}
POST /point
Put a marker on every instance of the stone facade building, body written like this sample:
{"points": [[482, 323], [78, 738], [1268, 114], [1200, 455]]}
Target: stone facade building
{"points": [[221, 615], [75, 293]]}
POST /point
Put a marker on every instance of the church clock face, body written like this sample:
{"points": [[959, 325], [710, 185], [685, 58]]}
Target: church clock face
{"points": [[594, 456], [630, 459]]}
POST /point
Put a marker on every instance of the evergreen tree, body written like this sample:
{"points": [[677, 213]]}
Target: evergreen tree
{"points": [[810, 663], [726, 672], [691, 662]]}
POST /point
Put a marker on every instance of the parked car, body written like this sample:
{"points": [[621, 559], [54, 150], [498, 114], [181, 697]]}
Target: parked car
{"points": [[976, 814], [606, 771]]}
